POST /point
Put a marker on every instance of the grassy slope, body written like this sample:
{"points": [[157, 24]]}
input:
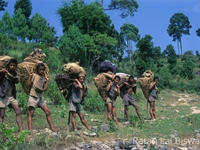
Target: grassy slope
{"points": [[174, 111]]}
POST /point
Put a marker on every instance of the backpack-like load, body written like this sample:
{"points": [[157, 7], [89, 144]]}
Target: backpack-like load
{"points": [[101, 82], [70, 71], [73, 69], [4, 60], [107, 66], [123, 78], [29, 66], [144, 81]]}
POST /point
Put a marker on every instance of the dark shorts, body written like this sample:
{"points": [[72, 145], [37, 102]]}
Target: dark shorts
{"points": [[151, 99], [74, 107], [128, 100]]}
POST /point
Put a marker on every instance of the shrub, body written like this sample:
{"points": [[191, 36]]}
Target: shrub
{"points": [[94, 103], [9, 140]]}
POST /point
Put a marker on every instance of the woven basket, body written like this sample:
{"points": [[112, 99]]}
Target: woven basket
{"points": [[101, 82], [145, 82]]}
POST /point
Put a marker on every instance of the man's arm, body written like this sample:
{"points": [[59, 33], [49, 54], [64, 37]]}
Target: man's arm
{"points": [[152, 84], [29, 82], [109, 85], [46, 82]]}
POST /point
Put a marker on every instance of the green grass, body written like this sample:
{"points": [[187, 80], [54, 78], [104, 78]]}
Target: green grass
{"points": [[174, 118]]}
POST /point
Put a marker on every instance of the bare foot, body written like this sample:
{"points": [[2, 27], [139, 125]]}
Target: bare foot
{"points": [[53, 129]]}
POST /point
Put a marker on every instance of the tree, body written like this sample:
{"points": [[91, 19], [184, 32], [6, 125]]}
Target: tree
{"points": [[198, 32], [144, 54], [72, 46], [7, 25], [20, 25], [127, 7], [88, 18], [3, 4], [40, 31], [187, 69], [99, 47], [49, 37], [25, 6], [171, 56], [130, 33], [101, 38], [179, 26]]}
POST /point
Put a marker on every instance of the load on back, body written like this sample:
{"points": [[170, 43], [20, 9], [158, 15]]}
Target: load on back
{"points": [[4, 60], [144, 81], [70, 71], [107, 72], [29, 66]]}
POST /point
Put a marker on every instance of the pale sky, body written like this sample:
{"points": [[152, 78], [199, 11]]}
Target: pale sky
{"points": [[151, 18]]}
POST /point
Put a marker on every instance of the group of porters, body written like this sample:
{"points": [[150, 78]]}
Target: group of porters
{"points": [[70, 73]]}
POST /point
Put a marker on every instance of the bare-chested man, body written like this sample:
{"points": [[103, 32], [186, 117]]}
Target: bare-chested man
{"points": [[128, 100]]}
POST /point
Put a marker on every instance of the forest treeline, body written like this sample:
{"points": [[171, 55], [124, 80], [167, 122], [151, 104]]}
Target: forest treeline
{"points": [[90, 37]]}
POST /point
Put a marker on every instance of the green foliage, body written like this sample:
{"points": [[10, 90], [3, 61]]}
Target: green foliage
{"points": [[40, 31], [3, 4], [25, 6], [129, 32], [53, 93], [127, 7], [198, 32], [23, 99], [94, 103], [145, 54], [187, 70], [87, 17], [179, 26], [170, 53], [9, 140], [72, 46], [53, 59], [20, 25], [7, 25]]}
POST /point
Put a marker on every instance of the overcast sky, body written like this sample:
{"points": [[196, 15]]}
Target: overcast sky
{"points": [[152, 18]]}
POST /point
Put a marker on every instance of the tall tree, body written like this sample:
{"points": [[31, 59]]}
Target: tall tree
{"points": [[3, 4], [179, 26], [127, 7], [130, 33], [88, 18], [100, 36], [99, 47], [40, 31], [25, 6], [72, 46], [49, 37], [170, 54], [20, 25], [7, 25], [144, 54]]}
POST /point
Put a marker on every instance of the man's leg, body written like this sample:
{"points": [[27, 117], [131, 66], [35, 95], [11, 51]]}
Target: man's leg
{"points": [[48, 116], [109, 111], [137, 110], [154, 110], [114, 115], [30, 115], [84, 122], [73, 120], [18, 116], [126, 112], [151, 110], [2, 113]]}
